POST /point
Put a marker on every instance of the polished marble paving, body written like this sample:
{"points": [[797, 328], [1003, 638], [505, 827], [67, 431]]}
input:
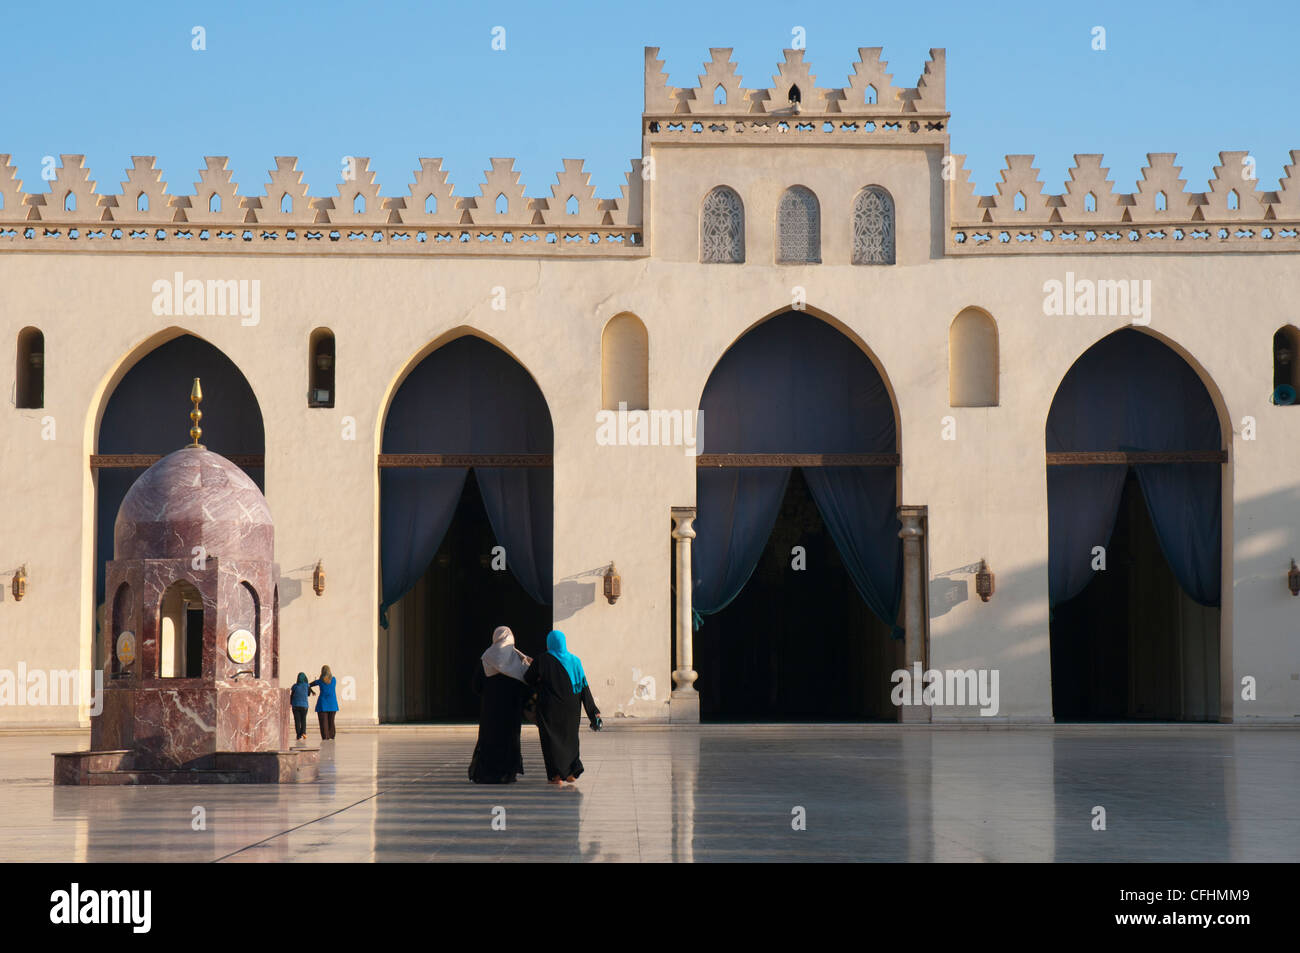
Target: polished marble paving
{"points": [[715, 793]]}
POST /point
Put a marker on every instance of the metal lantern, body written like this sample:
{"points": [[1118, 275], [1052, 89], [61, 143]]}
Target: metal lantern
{"points": [[984, 581], [318, 579], [1293, 579], [613, 584], [19, 584]]}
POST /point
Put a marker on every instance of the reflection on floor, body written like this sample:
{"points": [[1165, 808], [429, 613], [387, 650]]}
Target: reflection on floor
{"points": [[1184, 793]]}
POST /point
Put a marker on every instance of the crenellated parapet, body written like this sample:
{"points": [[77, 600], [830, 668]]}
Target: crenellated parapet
{"points": [[1235, 214], [869, 110], [286, 218]]}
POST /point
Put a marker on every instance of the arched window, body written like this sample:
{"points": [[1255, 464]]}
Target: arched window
{"points": [[719, 95], [1162, 202], [1234, 200], [214, 203], [625, 364], [1286, 380], [873, 227], [286, 204], [359, 204], [142, 203], [722, 227], [70, 202], [503, 204], [1090, 203], [431, 204], [973, 360], [798, 226], [320, 371], [180, 632], [29, 391], [869, 95]]}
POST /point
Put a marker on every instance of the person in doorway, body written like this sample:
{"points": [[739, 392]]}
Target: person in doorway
{"points": [[298, 700], [327, 705], [562, 692], [499, 679]]}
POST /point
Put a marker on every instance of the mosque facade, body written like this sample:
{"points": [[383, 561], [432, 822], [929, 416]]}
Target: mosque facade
{"points": [[795, 411]]}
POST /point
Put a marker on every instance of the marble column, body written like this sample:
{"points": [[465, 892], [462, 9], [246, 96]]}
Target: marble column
{"points": [[684, 705], [914, 602]]}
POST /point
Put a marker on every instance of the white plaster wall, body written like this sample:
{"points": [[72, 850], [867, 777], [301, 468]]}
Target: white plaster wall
{"points": [[986, 491]]}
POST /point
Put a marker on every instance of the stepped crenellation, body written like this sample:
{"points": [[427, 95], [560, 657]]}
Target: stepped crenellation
{"points": [[1234, 213]]}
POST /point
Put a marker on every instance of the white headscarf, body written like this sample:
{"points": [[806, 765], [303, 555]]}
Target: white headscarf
{"points": [[502, 657]]}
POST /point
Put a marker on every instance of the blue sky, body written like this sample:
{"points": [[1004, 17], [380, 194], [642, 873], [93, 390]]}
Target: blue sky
{"points": [[400, 80]]}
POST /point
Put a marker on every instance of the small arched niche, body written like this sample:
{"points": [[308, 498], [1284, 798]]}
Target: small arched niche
{"points": [[320, 368], [1286, 379], [123, 624], [29, 391], [625, 364], [973, 360], [180, 632]]}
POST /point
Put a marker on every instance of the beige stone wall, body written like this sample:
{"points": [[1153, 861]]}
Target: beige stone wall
{"points": [[986, 490]]}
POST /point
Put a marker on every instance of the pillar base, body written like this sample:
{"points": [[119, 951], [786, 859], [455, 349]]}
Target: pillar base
{"points": [[684, 707], [914, 714]]}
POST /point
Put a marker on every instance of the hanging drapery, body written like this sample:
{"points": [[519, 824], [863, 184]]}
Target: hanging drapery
{"points": [[467, 397], [737, 509], [857, 505], [796, 385], [518, 503], [1130, 392]]}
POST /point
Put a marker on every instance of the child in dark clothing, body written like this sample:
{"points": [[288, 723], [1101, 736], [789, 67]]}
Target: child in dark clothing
{"points": [[298, 699]]}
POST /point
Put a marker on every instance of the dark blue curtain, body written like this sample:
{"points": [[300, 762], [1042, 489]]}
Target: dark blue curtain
{"points": [[794, 384], [857, 505], [148, 412], [737, 509], [1130, 391], [466, 397]]}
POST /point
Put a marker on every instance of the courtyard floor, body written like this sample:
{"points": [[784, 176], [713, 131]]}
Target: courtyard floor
{"points": [[713, 793]]}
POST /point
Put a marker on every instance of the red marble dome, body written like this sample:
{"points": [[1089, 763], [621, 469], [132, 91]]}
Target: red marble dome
{"points": [[190, 498]]}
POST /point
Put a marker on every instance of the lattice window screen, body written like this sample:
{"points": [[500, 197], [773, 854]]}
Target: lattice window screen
{"points": [[799, 226], [873, 227], [722, 227]]}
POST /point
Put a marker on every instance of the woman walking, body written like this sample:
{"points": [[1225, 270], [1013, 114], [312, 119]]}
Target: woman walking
{"points": [[327, 705], [499, 679], [562, 693]]}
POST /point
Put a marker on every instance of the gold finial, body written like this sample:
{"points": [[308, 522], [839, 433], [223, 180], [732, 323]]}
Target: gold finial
{"points": [[196, 395]]}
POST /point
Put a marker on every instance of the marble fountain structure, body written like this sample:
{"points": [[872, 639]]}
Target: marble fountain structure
{"points": [[194, 536]]}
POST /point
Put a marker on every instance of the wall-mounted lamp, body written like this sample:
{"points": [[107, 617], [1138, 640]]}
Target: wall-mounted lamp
{"points": [[318, 579], [19, 584], [984, 581], [1293, 579], [613, 584]]}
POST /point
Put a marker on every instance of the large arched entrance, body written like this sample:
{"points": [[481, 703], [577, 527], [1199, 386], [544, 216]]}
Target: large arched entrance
{"points": [[797, 562], [1134, 454], [146, 417], [465, 526]]}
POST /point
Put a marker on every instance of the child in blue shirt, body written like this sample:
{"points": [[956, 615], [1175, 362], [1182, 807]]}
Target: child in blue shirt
{"points": [[298, 700]]}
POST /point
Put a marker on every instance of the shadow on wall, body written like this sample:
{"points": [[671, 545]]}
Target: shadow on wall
{"points": [[571, 596], [947, 593]]}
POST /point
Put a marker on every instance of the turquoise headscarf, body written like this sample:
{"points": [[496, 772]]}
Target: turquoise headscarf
{"points": [[302, 678], [572, 664]]}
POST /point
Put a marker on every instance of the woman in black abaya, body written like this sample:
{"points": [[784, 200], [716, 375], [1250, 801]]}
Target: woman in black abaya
{"points": [[500, 680], [562, 693]]}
